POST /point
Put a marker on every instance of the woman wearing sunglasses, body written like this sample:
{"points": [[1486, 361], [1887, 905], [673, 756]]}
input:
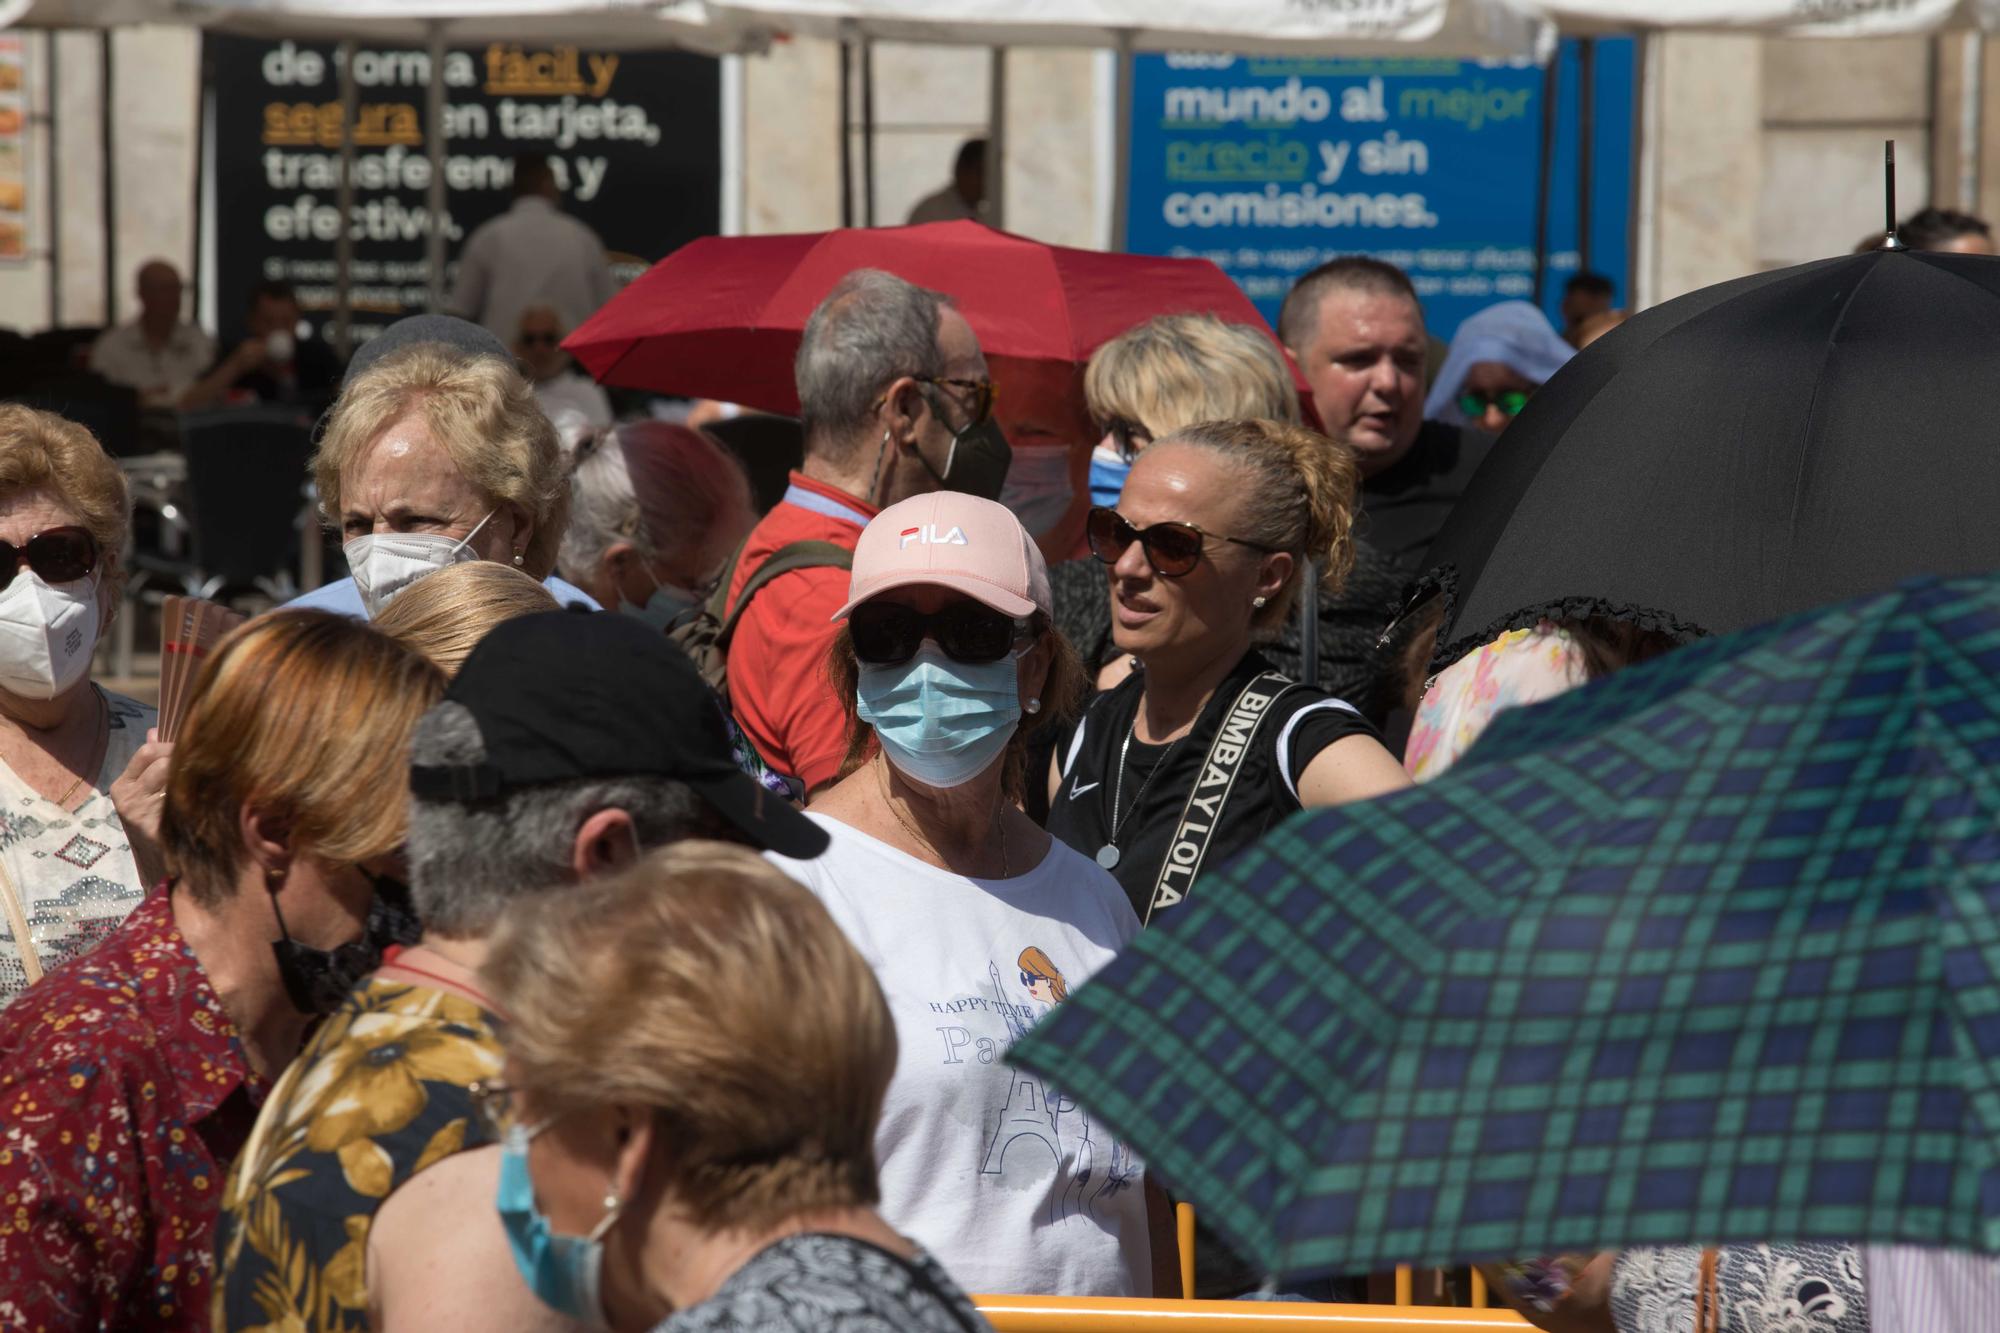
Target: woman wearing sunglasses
{"points": [[947, 665], [1206, 549], [1498, 358], [80, 850]]}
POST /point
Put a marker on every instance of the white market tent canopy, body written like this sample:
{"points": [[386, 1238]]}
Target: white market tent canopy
{"points": [[1776, 18], [614, 23], [1464, 28]]}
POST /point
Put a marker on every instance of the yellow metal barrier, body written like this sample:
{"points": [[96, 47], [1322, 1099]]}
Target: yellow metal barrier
{"points": [[1103, 1314]]}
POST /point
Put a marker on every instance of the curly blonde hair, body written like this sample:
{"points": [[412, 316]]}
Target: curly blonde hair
{"points": [[1175, 370], [42, 449], [482, 412]]}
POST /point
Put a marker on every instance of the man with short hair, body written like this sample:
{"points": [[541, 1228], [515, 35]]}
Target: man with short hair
{"points": [[277, 362], [568, 745], [533, 254], [965, 197], [1356, 328], [159, 353], [1585, 297], [896, 401], [1948, 230]]}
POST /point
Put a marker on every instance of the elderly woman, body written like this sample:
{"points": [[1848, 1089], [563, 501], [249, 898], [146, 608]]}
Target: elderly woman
{"points": [[656, 510], [132, 1075], [947, 665], [436, 453], [1498, 358], [70, 867], [681, 1143], [445, 616]]}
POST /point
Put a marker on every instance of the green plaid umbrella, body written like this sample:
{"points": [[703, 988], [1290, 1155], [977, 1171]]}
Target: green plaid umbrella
{"points": [[1707, 952]]}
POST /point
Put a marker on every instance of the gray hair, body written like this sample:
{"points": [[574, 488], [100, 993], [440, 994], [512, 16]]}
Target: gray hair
{"points": [[469, 860], [872, 328], [656, 485]]}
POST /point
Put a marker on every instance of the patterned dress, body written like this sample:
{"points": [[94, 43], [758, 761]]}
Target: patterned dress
{"points": [[124, 1093], [379, 1094], [68, 875], [1758, 1289], [819, 1283]]}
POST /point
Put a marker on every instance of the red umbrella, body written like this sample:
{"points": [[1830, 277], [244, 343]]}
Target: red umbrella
{"points": [[721, 317]]}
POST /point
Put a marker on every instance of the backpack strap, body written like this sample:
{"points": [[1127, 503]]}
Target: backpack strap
{"points": [[787, 559]]}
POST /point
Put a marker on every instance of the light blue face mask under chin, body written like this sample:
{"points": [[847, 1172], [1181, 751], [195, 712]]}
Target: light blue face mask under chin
{"points": [[564, 1272], [941, 722]]}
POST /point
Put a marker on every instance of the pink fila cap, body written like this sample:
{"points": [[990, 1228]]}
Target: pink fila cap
{"points": [[955, 541]]}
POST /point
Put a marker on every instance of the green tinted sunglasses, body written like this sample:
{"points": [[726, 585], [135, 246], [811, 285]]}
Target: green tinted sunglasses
{"points": [[1509, 401]]}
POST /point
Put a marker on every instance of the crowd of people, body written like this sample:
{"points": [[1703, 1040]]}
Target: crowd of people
{"points": [[610, 905]]}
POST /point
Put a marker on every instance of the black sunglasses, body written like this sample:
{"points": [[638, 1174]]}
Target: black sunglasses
{"points": [[57, 555], [1127, 437], [889, 633], [539, 340], [983, 394], [1173, 549]]}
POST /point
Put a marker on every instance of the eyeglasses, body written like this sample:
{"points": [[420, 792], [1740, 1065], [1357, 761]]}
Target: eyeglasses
{"points": [[983, 392], [1127, 437], [1509, 401], [493, 1104], [540, 339], [889, 633], [1173, 549], [57, 555]]}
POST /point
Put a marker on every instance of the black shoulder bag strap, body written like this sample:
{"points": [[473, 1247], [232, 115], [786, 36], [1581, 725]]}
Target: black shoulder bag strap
{"points": [[1202, 814]]}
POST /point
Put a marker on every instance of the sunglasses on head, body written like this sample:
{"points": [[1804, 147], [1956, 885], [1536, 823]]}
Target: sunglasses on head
{"points": [[1172, 549], [889, 633], [1509, 401], [1127, 437], [57, 555]]}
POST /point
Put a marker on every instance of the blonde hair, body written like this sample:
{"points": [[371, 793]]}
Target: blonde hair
{"points": [[482, 412], [445, 615], [42, 449], [1175, 370], [306, 715], [661, 487], [766, 1095], [1299, 497]]}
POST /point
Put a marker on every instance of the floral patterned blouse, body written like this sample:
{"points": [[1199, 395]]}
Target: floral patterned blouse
{"points": [[124, 1093], [379, 1093]]}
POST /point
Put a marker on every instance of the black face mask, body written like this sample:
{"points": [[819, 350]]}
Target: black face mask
{"points": [[317, 981], [976, 463]]}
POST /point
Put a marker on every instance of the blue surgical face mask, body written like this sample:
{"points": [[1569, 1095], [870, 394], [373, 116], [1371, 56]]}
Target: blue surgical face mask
{"points": [[1107, 475], [941, 722], [564, 1272], [667, 605]]}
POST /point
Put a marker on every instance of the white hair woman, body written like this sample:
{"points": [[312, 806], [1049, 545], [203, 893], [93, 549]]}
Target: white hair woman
{"points": [[436, 453], [655, 511]]}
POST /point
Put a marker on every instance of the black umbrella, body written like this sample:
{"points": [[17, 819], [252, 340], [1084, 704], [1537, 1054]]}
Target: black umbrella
{"points": [[1748, 450]]}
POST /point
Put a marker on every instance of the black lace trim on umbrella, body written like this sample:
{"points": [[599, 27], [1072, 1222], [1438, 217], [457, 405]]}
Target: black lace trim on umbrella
{"points": [[1444, 579]]}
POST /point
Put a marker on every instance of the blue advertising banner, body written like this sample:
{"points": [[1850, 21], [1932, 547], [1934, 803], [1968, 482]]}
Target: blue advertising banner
{"points": [[1270, 166]]}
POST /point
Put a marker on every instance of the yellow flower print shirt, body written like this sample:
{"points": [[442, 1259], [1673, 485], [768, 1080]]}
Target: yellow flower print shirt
{"points": [[380, 1093]]}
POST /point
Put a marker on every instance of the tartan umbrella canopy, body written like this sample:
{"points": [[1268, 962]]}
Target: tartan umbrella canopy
{"points": [[1709, 951]]}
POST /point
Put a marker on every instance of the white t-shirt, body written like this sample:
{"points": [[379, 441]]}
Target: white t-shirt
{"points": [[1009, 1183]]}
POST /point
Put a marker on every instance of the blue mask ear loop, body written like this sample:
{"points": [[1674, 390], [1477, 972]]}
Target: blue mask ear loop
{"points": [[613, 1205]]}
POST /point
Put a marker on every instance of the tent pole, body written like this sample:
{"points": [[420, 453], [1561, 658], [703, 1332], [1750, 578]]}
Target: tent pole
{"points": [[1545, 173], [867, 130], [107, 147], [1121, 150], [343, 246], [996, 137], [434, 140], [846, 132]]}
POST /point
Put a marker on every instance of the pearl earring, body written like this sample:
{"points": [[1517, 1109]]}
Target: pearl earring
{"points": [[1256, 602], [1034, 705], [517, 559]]}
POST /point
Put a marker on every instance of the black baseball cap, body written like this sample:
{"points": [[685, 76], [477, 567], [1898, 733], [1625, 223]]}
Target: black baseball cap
{"points": [[563, 695]]}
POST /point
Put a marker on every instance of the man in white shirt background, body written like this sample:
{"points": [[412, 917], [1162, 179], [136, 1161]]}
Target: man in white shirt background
{"points": [[533, 254], [965, 197], [159, 354]]}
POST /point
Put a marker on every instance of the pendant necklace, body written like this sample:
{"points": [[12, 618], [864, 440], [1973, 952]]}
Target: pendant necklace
{"points": [[1108, 855]]}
